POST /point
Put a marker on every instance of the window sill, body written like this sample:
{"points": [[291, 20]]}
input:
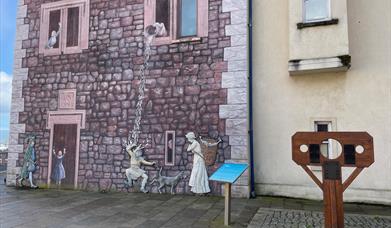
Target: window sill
{"points": [[302, 25], [319, 65], [65, 52], [167, 41], [187, 39]]}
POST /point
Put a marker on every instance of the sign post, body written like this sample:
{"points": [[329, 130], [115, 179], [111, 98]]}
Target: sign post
{"points": [[227, 204], [357, 151], [228, 174]]}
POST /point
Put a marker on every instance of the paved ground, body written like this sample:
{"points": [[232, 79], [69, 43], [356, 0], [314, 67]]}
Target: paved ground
{"points": [[59, 208], [285, 212]]}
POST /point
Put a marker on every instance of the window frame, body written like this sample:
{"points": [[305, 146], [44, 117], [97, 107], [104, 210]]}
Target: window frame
{"points": [[331, 124], [83, 34], [166, 148], [304, 10], [173, 37]]}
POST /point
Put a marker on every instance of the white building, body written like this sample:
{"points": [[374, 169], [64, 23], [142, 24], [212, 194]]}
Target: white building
{"points": [[302, 51]]}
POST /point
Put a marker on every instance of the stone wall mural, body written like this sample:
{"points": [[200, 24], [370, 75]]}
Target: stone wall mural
{"points": [[144, 115]]}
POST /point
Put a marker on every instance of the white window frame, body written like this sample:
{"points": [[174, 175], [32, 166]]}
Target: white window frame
{"points": [[84, 15], [326, 142], [331, 124], [304, 10]]}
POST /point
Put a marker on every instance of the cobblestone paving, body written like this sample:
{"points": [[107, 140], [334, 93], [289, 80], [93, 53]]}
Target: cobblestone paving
{"points": [[269, 218]]}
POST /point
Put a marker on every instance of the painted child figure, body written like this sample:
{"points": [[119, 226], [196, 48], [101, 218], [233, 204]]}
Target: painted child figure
{"points": [[199, 180], [58, 169], [134, 171]]}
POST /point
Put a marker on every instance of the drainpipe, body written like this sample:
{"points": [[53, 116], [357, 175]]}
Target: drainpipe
{"points": [[250, 91]]}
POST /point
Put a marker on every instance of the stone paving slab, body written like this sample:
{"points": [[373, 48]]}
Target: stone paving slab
{"points": [[278, 218]]}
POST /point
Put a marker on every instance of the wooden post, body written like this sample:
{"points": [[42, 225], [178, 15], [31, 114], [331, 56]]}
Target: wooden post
{"points": [[227, 212], [333, 203]]}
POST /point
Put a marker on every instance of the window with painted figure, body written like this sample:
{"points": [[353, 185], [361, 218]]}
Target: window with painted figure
{"points": [[316, 10], [162, 13], [54, 28], [184, 20], [64, 27]]}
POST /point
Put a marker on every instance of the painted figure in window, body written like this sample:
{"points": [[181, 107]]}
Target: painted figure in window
{"points": [[199, 181], [134, 171], [29, 164], [53, 38], [155, 30], [58, 169]]}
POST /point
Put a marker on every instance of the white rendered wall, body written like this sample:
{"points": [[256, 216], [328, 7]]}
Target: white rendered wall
{"points": [[321, 41], [356, 100]]}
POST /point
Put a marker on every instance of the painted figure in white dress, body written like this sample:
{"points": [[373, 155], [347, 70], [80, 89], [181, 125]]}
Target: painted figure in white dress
{"points": [[199, 181], [53, 38]]}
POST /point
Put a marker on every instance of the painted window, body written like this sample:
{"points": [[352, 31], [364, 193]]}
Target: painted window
{"points": [[187, 23], [162, 12], [316, 10], [64, 27], [183, 19], [170, 148]]}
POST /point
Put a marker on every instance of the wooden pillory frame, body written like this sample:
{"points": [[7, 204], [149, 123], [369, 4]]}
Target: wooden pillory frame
{"points": [[357, 151]]}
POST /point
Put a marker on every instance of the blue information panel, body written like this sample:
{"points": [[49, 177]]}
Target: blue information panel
{"points": [[229, 173]]}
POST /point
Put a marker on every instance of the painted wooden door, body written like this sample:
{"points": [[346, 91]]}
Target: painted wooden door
{"points": [[64, 139]]}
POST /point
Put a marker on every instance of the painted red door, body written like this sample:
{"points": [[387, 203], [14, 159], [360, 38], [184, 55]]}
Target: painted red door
{"points": [[64, 139]]}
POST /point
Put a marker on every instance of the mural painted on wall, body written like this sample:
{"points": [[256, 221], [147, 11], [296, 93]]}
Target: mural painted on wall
{"points": [[134, 172], [58, 172], [29, 165], [63, 155], [145, 105], [199, 181], [53, 38]]}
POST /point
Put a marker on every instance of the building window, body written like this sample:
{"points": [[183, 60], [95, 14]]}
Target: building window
{"points": [[324, 148], [324, 126], [64, 27], [316, 10], [170, 148], [183, 19]]}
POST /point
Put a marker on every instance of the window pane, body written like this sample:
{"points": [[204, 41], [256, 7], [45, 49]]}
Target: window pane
{"points": [[170, 148], [54, 20], [188, 18], [162, 13], [316, 9], [73, 27], [323, 127]]}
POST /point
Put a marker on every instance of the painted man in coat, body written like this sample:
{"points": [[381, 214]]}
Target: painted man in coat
{"points": [[29, 164]]}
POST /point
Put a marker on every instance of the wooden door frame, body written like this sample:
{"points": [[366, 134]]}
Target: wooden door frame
{"points": [[65, 117]]}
